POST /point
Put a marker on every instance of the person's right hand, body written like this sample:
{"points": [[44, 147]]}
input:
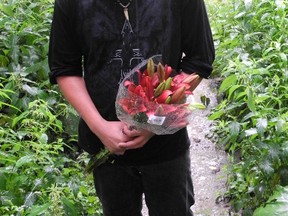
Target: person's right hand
{"points": [[111, 134]]}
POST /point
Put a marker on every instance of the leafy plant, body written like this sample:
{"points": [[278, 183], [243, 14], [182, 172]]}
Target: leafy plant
{"points": [[41, 169], [35, 173], [251, 119], [277, 204]]}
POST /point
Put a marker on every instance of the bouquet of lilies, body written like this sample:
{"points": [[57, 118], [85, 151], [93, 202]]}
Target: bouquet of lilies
{"points": [[150, 98]]}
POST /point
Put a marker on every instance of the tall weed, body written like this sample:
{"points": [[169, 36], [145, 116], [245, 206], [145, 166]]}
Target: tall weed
{"points": [[40, 170], [251, 120]]}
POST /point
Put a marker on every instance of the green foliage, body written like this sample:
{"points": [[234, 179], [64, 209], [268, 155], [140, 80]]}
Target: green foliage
{"points": [[36, 175], [24, 27], [41, 171], [277, 205], [251, 42], [42, 174]]}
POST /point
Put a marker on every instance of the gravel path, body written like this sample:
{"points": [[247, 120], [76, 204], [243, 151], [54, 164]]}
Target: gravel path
{"points": [[207, 161]]}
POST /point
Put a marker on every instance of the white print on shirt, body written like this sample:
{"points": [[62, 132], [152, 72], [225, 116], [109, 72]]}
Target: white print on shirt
{"points": [[127, 55]]}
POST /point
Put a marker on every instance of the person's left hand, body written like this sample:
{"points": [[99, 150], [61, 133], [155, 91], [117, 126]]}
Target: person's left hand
{"points": [[140, 137]]}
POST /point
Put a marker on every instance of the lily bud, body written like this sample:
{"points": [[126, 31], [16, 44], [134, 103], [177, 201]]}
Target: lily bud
{"points": [[178, 95], [161, 72], [150, 67], [168, 71], [162, 98]]}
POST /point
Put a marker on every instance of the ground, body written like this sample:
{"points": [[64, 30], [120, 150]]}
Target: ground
{"points": [[208, 161]]}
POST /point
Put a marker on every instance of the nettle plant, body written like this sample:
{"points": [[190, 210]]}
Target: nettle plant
{"points": [[24, 32], [40, 170], [251, 119], [37, 178]]}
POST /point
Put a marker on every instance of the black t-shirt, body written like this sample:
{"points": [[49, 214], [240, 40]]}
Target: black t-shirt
{"points": [[91, 38]]}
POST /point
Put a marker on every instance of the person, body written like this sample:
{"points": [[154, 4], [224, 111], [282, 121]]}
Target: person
{"points": [[93, 45]]}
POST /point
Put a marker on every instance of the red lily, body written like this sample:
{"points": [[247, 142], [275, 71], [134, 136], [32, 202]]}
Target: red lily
{"points": [[132, 105]]}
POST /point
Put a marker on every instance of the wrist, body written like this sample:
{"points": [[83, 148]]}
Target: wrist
{"points": [[96, 124]]}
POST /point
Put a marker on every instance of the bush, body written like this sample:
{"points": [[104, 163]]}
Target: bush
{"points": [[41, 170], [251, 120]]}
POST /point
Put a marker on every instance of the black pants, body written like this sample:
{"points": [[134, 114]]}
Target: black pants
{"points": [[167, 187]]}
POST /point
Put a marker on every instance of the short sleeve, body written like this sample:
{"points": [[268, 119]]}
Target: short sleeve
{"points": [[64, 57], [197, 40]]}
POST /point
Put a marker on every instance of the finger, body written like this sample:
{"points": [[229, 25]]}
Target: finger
{"points": [[126, 145], [130, 145], [127, 134], [124, 131], [131, 133], [119, 152]]}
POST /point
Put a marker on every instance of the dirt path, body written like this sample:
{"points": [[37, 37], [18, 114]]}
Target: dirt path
{"points": [[207, 161]]}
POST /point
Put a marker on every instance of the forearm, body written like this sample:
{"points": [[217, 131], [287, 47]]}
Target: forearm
{"points": [[74, 90]]}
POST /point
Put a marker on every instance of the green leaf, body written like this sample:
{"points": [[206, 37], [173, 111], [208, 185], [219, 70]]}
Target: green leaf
{"points": [[43, 138], [6, 10], [234, 128], [31, 90], [9, 105], [250, 132], [216, 115], [97, 160], [194, 106], [280, 125], [228, 82], [262, 97], [140, 117], [205, 100], [241, 95], [19, 118], [23, 160], [30, 199], [4, 157], [277, 205], [3, 181], [233, 89], [261, 125], [70, 207], [251, 100], [248, 116], [39, 209], [267, 167], [283, 57]]}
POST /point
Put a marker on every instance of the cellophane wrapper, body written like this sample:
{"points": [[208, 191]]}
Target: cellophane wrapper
{"points": [[160, 119]]}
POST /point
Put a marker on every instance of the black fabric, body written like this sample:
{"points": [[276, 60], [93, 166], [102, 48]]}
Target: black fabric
{"points": [[86, 41], [167, 186]]}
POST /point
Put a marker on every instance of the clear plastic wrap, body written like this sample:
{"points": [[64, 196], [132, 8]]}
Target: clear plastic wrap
{"points": [[142, 103]]}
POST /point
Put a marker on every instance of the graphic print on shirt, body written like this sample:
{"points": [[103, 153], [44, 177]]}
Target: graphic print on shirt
{"points": [[128, 55]]}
